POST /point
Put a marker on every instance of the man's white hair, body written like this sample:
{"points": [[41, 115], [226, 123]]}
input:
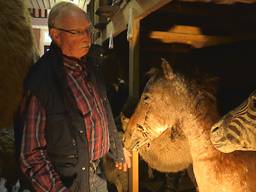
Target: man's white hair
{"points": [[57, 9]]}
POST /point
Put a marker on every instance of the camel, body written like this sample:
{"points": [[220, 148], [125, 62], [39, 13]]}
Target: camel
{"points": [[172, 102], [8, 166], [17, 53]]}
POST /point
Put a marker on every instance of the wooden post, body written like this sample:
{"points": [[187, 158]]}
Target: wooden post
{"points": [[134, 93], [134, 173], [134, 73]]}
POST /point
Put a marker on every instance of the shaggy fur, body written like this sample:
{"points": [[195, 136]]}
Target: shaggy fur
{"points": [[114, 176], [165, 145], [8, 167], [169, 100], [117, 177], [16, 53]]}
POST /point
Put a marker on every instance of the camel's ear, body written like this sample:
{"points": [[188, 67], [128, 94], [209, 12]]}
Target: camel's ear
{"points": [[167, 69], [124, 121]]}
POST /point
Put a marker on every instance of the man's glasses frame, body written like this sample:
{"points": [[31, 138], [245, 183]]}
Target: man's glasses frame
{"points": [[89, 31]]}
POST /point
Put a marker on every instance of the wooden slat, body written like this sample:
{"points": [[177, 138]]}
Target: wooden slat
{"points": [[134, 74], [196, 40], [47, 5], [36, 4], [31, 4], [42, 4], [141, 9], [134, 173], [134, 61]]}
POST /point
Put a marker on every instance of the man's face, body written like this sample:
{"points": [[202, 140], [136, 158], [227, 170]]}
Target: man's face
{"points": [[73, 34]]}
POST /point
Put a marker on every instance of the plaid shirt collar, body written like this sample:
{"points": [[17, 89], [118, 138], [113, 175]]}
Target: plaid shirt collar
{"points": [[74, 66]]}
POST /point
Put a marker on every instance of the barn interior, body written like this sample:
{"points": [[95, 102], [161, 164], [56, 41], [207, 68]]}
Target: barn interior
{"points": [[197, 37], [210, 38]]}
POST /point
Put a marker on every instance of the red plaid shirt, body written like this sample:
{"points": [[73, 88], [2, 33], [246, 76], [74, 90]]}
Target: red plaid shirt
{"points": [[34, 159]]}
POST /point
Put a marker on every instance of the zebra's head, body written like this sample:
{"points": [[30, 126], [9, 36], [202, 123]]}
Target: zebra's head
{"points": [[152, 115], [237, 129]]}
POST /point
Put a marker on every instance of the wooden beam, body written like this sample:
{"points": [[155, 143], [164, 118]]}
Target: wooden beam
{"points": [[134, 173], [141, 8], [134, 84], [134, 60], [196, 40], [185, 29]]}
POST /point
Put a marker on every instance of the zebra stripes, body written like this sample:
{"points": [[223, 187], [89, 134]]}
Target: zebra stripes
{"points": [[237, 129]]}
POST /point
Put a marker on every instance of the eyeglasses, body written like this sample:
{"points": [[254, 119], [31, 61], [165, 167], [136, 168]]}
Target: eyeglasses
{"points": [[89, 31]]}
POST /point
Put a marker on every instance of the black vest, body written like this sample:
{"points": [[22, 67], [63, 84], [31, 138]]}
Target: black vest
{"points": [[67, 145]]}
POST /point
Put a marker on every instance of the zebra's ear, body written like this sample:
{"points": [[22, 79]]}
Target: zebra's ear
{"points": [[167, 69]]}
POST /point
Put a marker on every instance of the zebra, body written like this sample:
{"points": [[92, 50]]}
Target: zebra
{"points": [[237, 129]]}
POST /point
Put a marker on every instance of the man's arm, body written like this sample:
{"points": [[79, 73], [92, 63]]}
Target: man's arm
{"points": [[122, 156], [34, 161]]}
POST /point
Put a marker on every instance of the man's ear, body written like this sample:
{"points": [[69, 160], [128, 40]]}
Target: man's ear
{"points": [[55, 35]]}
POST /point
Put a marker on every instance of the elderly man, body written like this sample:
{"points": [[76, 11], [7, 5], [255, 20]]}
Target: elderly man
{"points": [[65, 117]]}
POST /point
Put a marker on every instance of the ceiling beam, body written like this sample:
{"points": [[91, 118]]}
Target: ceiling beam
{"points": [[140, 10], [194, 38]]}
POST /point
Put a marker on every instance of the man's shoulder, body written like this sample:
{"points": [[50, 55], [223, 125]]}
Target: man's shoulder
{"points": [[39, 72]]}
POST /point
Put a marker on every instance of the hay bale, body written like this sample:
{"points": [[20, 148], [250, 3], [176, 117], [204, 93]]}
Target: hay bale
{"points": [[17, 51]]}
